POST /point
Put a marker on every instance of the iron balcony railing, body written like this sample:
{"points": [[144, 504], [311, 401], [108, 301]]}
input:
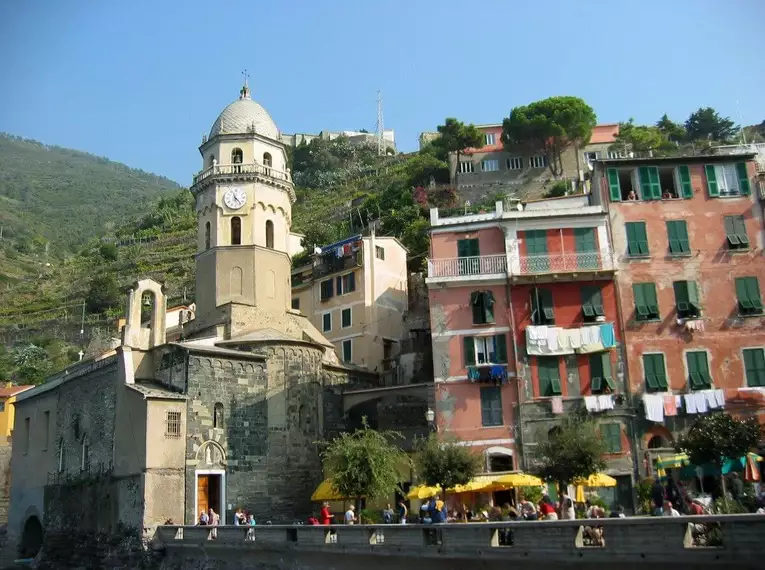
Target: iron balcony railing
{"points": [[565, 262], [240, 169], [465, 266]]}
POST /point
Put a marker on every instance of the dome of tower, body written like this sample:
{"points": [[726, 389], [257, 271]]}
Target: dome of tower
{"points": [[245, 116]]}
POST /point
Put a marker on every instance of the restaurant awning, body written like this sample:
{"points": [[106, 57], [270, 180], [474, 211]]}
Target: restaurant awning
{"points": [[326, 492], [519, 480]]}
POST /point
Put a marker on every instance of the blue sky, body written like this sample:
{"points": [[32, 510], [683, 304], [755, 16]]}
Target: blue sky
{"points": [[140, 81]]}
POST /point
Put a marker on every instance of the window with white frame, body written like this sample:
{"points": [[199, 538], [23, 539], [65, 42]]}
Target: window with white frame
{"points": [[591, 156], [346, 283], [347, 350], [727, 179], [538, 161], [490, 138], [485, 349], [466, 167], [326, 322], [515, 163], [491, 165]]}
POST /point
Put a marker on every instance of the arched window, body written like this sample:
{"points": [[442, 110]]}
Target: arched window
{"points": [[236, 230], [270, 234], [267, 159], [218, 415], [236, 160], [207, 236], [657, 442]]}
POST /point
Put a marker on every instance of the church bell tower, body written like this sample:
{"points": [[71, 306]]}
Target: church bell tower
{"points": [[244, 196]]}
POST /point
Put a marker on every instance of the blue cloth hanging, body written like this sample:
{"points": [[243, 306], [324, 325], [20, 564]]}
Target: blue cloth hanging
{"points": [[607, 336]]}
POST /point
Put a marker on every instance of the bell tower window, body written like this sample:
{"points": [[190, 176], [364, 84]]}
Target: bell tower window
{"points": [[236, 159], [236, 230], [207, 236], [212, 160], [270, 234], [267, 159]]}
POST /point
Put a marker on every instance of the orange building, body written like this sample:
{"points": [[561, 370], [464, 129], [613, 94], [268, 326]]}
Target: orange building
{"points": [[523, 313], [688, 238]]}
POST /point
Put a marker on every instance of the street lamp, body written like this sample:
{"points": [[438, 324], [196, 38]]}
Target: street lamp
{"points": [[430, 416]]}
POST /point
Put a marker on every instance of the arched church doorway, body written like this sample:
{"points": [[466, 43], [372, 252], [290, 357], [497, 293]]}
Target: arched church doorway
{"points": [[31, 538]]}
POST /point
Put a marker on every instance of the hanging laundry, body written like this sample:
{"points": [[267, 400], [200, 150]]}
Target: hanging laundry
{"points": [[564, 343], [557, 405], [591, 403], [701, 402], [670, 405], [473, 373], [654, 407], [690, 404], [678, 402], [720, 397], [607, 336], [709, 396], [589, 348], [498, 373], [574, 338], [552, 338], [605, 402]]}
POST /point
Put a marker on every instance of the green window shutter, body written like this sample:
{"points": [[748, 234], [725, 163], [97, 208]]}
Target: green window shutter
{"points": [[653, 177], [476, 302], [469, 346], [585, 239], [730, 231], [658, 367], [637, 239], [649, 293], [546, 301], [739, 227], [677, 232], [712, 188], [646, 193], [491, 406], [698, 369], [640, 305], [596, 373], [549, 376], [655, 378], [693, 296], [614, 189], [612, 436], [684, 175], [536, 242], [682, 301], [748, 294], [467, 248], [462, 248], [501, 344], [488, 306], [754, 365], [742, 294], [474, 248], [744, 185], [592, 302], [753, 292]]}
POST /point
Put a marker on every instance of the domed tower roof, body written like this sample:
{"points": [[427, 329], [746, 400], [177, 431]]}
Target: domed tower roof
{"points": [[244, 116]]}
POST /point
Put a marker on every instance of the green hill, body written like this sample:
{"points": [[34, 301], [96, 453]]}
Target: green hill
{"points": [[62, 197]]}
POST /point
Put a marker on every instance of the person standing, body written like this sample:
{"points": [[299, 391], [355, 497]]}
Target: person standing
{"points": [[388, 515], [325, 516], [402, 512], [350, 515], [657, 497], [567, 511]]}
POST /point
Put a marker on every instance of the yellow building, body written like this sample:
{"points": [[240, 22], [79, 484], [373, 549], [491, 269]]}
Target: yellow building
{"points": [[355, 292], [7, 399]]}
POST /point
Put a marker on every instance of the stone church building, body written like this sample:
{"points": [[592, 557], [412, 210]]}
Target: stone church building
{"points": [[227, 417]]}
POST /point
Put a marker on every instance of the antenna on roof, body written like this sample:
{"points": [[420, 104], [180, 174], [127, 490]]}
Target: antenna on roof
{"points": [[245, 91], [380, 129]]}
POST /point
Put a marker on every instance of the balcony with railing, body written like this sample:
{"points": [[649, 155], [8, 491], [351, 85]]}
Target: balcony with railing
{"points": [[556, 263], [239, 172], [468, 268]]}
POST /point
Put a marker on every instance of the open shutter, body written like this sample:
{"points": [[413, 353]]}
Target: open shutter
{"points": [[742, 293], [640, 304], [739, 227], [684, 177], [673, 237], [501, 342], [546, 302], [645, 183], [614, 189], [730, 231], [649, 293], [712, 187], [653, 178], [681, 295], [476, 302], [744, 185], [681, 228], [658, 366], [632, 247], [596, 373], [469, 350], [642, 238], [650, 374], [753, 292], [693, 294], [608, 376]]}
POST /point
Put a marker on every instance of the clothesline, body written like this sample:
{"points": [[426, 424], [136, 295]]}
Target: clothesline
{"points": [[549, 340], [657, 406]]}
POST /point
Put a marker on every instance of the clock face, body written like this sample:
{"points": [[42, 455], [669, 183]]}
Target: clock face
{"points": [[235, 198]]}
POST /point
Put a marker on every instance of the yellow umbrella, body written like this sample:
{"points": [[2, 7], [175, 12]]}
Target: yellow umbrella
{"points": [[579, 494], [479, 483], [326, 492], [422, 492], [597, 480], [519, 480]]}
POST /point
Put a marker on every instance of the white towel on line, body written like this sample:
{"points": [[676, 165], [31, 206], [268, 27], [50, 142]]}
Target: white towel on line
{"points": [[690, 404], [606, 402], [591, 403], [654, 407], [552, 338]]}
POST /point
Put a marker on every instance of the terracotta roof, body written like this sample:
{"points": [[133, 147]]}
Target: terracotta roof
{"points": [[604, 133], [8, 390]]}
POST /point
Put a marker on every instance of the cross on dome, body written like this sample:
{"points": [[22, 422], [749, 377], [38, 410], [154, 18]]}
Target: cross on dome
{"points": [[245, 91]]}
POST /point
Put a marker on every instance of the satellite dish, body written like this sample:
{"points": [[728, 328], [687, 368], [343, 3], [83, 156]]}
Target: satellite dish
{"points": [[519, 207], [317, 250]]}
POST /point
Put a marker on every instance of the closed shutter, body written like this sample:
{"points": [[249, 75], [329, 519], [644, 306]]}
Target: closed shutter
{"points": [[744, 185], [655, 377], [712, 187], [754, 364], [351, 281], [650, 188], [549, 375], [339, 285], [649, 293], [469, 346], [501, 344], [637, 239], [677, 233], [614, 188], [612, 436], [586, 258], [684, 176], [491, 406], [698, 369]]}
